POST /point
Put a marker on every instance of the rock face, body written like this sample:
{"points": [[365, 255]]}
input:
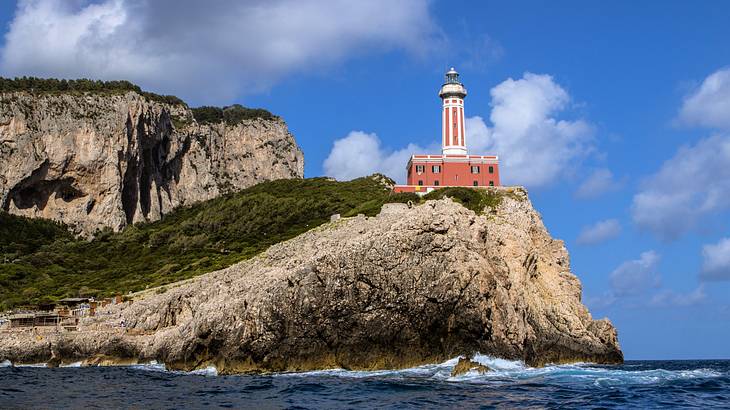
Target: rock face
{"points": [[411, 286], [95, 161]]}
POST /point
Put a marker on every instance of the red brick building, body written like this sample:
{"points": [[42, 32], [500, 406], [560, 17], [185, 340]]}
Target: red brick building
{"points": [[454, 166]]}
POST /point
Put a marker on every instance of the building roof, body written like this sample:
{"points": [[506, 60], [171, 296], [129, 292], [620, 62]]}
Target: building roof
{"points": [[74, 300]]}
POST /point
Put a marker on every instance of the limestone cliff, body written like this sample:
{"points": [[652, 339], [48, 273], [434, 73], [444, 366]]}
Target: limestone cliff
{"points": [[108, 160], [410, 286]]}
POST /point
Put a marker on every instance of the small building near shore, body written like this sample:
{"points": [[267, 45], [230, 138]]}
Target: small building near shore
{"points": [[34, 319]]}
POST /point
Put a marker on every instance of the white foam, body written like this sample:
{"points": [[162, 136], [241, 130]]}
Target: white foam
{"points": [[32, 365], [440, 371], [151, 366], [498, 364], [510, 371], [208, 371], [74, 364], [155, 366], [6, 363]]}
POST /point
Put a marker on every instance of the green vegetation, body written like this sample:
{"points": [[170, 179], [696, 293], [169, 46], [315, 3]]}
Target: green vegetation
{"points": [[475, 199], [55, 86], [22, 236], [231, 115], [41, 261], [372, 207]]}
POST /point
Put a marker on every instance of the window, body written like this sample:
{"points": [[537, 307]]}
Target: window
{"points": [[436, 183], [436, 169], [420, 169], [491, 169], [491, 183], [420, 182], [476, 183], [475, 169]]}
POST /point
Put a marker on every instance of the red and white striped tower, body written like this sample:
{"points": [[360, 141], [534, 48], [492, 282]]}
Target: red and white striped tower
{"points": [[453, 139]]}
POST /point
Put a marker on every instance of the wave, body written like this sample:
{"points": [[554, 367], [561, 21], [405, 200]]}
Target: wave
{"points": [[31, 365], [502, 371], [510, 371], [160, 367]]}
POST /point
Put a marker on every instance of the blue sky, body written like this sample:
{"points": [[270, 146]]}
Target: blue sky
{"points": [[588, 103]]}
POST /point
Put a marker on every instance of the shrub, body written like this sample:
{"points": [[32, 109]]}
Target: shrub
{"points": [[56, 86], [475, 199], [231, 115]]}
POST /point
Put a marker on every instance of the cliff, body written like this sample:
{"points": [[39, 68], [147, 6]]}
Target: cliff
{"points": [[96, 160], [413, 285]]}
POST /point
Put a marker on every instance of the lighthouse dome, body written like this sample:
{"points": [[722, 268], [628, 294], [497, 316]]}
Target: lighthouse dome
{"points": [[452, 85]]}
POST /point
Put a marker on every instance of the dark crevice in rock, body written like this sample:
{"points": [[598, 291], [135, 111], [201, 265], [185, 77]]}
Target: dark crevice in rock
{"points": [[36, 190], [129, 190], [145, 182]]}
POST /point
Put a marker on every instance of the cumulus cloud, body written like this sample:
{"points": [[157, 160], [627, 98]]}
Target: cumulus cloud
{"points": [[536, 148], [601, 181], [210, 50], [716, 263], [637, 283], [709, 105], [599, 232], [693, 184], [636, 276], [360, 153]]}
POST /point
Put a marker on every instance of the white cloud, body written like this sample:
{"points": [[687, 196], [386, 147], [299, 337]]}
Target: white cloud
{"points": [[716, 264], [709, 105], [210, 50], [670, 298], [636, 276], [599, 232], [360, 154], [693, 184], [637, 283], [534, 146], [601, 181]]}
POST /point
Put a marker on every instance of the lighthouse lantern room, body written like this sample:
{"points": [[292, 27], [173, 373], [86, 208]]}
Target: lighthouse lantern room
{"points": [[454, 166]]}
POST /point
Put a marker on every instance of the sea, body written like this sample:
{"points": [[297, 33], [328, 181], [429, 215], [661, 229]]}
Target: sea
{"points": [[685, 384]]}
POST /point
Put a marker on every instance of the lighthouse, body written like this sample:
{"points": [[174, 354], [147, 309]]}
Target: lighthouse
{"points": [[452, 93], [454, 166]]}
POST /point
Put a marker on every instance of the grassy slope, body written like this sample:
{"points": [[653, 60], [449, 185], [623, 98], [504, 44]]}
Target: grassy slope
{"points": [[39, 260]]}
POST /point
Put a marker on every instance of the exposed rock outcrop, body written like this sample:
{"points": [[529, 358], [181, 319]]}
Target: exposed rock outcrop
{"points": [[411, 286], [466, 365], [108, 160]]}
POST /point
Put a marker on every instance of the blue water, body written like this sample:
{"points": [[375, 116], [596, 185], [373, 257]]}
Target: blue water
{"points": [[636, 384]]}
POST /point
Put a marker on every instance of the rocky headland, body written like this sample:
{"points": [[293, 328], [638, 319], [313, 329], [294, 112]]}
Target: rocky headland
{"points": [[414, 285], [107, 160]]}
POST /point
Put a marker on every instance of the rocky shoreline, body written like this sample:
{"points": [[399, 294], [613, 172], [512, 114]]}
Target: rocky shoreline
{"points": [[411, 286]]}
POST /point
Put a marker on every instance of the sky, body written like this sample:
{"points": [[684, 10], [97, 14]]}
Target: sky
{"points": [[614, 115]]}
